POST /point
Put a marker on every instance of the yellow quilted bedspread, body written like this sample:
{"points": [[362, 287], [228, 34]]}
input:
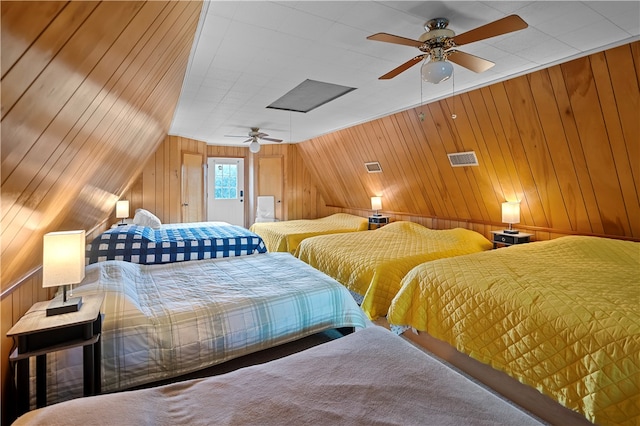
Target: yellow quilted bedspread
{"points": [[373, 263], [286, 235], [562, 316]]}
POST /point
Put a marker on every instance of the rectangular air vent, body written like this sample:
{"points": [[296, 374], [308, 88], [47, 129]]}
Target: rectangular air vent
{"points": [[373, 167], [462, 159]]}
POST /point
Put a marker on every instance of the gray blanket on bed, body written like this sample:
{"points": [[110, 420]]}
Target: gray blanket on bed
{"points": [[369, 377]]}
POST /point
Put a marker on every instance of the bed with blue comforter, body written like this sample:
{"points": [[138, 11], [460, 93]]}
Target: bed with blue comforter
{"points": [[173, 243], [163, 321]]}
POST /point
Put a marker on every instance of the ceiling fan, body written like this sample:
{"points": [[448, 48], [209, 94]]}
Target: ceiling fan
{"points": [[254, 135], [439, 42]]}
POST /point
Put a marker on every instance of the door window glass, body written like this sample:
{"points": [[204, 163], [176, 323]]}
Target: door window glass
{"points": [[226, 181]]}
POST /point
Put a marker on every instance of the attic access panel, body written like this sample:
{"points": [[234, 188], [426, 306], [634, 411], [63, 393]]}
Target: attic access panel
{"points": [[309, 95]]}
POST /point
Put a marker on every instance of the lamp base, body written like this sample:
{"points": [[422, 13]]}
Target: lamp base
{"points": [[58, 307], [511, 231]]}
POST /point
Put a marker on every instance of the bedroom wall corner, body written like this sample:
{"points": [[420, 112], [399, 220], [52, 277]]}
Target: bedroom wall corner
{"points": [[157, 188]]}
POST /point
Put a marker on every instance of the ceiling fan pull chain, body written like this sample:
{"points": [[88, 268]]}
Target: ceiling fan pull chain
{"points": [[421, 114], [453, 96]]}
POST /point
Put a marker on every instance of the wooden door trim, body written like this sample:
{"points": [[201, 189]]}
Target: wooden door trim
{"points": [[203, 182]]}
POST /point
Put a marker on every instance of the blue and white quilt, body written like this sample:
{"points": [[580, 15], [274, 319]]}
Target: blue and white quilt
{"points": [[172, 243], [163, 321]]}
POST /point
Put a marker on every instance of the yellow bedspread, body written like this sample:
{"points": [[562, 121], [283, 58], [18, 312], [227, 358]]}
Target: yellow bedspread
{"points": [[562, 316], [372, 263], [286, 235]]}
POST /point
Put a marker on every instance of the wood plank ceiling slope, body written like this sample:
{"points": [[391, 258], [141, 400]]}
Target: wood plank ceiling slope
{"points": [[565, 141], [88, 94]]}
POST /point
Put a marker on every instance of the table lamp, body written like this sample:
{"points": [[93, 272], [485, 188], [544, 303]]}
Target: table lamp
{"points": [[511, 215], [376, 204], [122, 210], [63, 264]]}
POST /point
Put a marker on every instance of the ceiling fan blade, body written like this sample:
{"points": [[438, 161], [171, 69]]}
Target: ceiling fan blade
{"points": [[411, 62], [390, 38], [501, 26], [235, 136], [248, 140], [467, 60], [272, 139]]}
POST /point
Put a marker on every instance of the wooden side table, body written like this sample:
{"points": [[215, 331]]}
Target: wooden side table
{"points": [[504, 239], [37, 335]]}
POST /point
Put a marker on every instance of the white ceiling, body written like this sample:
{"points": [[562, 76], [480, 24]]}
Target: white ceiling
{"points": [[247, 54]]}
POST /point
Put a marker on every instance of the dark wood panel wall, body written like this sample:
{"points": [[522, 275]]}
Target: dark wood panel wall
{"points": [[564, 141], [88, 94]]}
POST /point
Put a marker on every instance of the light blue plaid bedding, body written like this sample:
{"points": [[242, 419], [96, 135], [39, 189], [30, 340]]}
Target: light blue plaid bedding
{"points": [[141, 244], [162, 321]]}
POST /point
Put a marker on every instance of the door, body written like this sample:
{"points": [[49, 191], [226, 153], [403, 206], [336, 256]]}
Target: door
{"points": [[192, 187], [270, 181], [225, 190]]}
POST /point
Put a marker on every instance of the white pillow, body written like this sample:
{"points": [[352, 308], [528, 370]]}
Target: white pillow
{"points": [[146, 218]]}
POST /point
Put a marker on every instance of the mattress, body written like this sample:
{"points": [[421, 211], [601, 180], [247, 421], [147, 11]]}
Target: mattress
{"points": [[286, 235], [162, 321], [370, 377], [373, 263], [173, 243], [562, 316]]}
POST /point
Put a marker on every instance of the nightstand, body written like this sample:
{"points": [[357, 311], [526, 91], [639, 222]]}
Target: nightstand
{"points": [[504, 239], [378, 221], [122, 223], [37, 335]]}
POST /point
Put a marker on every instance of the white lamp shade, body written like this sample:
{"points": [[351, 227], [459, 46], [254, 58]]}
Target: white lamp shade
{"points": [[436, 71], [63, 258], [122, 209], [511, 212], [376, 203], [254, 146]]}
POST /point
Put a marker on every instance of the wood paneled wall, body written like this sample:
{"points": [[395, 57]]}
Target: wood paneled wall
{"points": [[89, 89], [88, 94], [564, 141], [157, 188]]}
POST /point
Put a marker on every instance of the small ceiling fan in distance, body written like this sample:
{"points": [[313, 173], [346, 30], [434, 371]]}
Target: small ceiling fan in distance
{"points": [[439, 43], [254, 136]]}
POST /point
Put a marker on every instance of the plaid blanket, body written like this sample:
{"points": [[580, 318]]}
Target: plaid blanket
{"points": [[162, 321], [141, 244]]}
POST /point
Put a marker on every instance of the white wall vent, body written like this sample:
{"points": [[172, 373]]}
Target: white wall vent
{"points": [[462, 159], [373, 167]]}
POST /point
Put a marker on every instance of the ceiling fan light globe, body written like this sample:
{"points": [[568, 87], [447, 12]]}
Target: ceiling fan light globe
{"points": [[436, 71], [254, 147]]}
